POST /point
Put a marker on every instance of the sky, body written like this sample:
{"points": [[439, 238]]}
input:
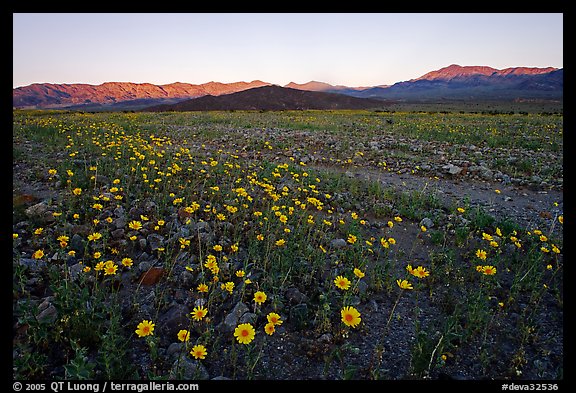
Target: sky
{"points": [[350, 49]]}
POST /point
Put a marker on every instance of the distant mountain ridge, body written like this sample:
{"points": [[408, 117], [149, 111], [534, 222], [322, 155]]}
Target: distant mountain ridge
{"points": [[476, 83], [453, 82], [48, 95], [456, 71]]}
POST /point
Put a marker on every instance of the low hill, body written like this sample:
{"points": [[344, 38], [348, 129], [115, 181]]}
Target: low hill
{"points": [[272, 98]]}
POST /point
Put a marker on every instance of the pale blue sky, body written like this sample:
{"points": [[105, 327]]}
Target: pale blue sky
{"points": [[352, 49]]}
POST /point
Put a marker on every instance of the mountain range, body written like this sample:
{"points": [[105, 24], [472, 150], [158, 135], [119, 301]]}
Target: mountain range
{"points": [[454, 82]]}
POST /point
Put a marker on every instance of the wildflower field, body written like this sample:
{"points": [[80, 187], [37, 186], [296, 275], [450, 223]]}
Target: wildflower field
{"points": [[287, 245]]}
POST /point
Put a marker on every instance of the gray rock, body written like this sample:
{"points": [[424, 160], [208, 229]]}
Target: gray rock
{"points": [[452, 169], [200, 302], [373, 305], [188, 368], [176, 349], [374, 145], [326, 338], [175, 319], [486, 173], [119, 211], [338, 243], [48, 315], [186, 279], [149, 206], [362, 287], [118, 233], [135, 213], [40, 212], [75, 271], [120, 222], [144, 266], [34, 265], [426, 222], [184, 233], [294, 296], [156, 241], [77, 243], [248, 318], [206, 237], [232, 319]]}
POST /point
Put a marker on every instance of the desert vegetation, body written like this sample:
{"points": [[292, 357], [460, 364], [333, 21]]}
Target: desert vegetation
{"points": [[250, 245]]}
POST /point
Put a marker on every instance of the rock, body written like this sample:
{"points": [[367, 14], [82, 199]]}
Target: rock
{"points": [[75, 271], [426, 222], [118, 233], [232, 319], [77, 243], [120, 222], [135, 212], [119, 211], [362, 287], [294, 296], [374, 145], [173, 320], [47, 312], [186, 279], [34, 265], [156, 241], [206, 237], [144, 266], [151, 276], [40, 212], [200, 302], [373, 305], [150, 206], [486, 173], [187, 368], [452, 169], [535, 179], [175, 350], [248, 318], [338, 243]]}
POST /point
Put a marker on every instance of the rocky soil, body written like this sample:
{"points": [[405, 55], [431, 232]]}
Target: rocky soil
{"points": [[301, 349]]}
